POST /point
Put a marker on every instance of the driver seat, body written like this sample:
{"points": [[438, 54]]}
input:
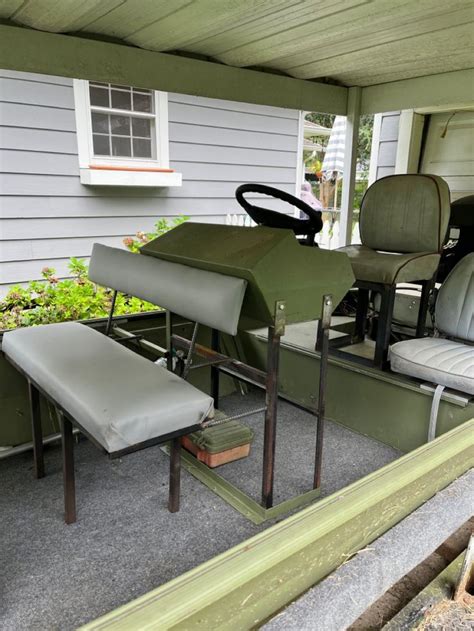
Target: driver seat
{"points": [[273, 219], [403, 223]]}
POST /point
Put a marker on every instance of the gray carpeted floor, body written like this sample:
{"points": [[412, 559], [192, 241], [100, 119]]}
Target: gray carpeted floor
{"points": [[125, 542]]}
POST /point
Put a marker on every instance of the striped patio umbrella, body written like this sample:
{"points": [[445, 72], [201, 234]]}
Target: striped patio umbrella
{"points": [[334, 156]]}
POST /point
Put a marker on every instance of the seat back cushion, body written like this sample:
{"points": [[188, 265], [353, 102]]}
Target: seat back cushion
{"points": [[205, 297], [405, 213], [455, 304]]}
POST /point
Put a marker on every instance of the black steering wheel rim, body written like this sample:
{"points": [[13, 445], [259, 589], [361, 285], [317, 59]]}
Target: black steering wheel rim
{"points": [[267, 217]]}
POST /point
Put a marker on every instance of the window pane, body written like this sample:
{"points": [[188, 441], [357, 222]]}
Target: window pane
{"points": [[121, 146], [121, 100], [104, 85], [99, 96], [120, 125], [142, 102], [141, 148], [101, 145], [100, 123], [141, 127]]}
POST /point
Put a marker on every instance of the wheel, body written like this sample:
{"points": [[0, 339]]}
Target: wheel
{"points": [[273, 219]]}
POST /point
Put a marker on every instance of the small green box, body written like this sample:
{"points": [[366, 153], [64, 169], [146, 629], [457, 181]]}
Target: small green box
{"points": [[222, 437]]}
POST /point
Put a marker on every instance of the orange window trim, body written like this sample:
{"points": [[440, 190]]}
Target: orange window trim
{"points": [[106, 167]]}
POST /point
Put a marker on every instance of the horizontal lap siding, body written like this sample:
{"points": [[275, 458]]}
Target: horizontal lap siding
{"points": [[449, 152], [47, 215], [387, 149]]}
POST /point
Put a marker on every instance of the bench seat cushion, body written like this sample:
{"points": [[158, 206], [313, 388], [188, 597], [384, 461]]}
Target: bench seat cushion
{"points": [[436, 360], [120, 398]]}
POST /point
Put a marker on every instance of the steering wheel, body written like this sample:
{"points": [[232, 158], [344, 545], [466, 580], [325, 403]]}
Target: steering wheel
{"points": [[272, 219]]}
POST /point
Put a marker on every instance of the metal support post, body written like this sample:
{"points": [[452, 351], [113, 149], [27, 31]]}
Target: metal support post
{"points": [[323, 347], [175, 475], [169, 340], [68, 469], [111, 314], [37, 434], [361, 315], [271, 400], [384, 326], [214, 369], [426, 289]]}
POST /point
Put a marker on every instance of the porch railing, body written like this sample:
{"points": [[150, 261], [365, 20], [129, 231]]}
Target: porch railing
{"points": [[328, 238]]}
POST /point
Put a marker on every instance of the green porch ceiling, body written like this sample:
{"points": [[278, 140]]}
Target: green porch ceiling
{"points": [[353, 42], [289, 53]]}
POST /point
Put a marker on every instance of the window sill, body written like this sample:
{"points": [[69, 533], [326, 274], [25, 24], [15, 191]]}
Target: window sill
{"points": [[127, 176]]}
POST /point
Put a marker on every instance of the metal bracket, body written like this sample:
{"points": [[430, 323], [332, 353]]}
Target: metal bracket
{"points": [[326, 311], [280, 317], [239, 500]]}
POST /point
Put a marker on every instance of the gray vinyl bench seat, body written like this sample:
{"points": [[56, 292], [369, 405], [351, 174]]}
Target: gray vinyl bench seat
{"points": [[117, 397], [120, 400]]}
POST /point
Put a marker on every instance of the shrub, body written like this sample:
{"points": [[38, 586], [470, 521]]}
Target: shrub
{"points": [[77, 298], [161, 226]]}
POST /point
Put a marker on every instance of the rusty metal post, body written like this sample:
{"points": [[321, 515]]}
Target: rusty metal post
{"points": [[175, 475], [214, 369], [271, 400], [37, 432], [169, 340], [323, 346], [68, 469], [108, 327]]}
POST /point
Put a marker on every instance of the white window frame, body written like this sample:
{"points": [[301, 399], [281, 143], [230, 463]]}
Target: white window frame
{"points": [[117, 170]]}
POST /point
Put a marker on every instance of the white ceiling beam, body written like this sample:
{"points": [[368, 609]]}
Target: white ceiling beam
{"points": [[28, 50], [447, 89]]}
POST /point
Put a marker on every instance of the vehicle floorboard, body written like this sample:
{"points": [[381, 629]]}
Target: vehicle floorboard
{"points": [[125, 542]]}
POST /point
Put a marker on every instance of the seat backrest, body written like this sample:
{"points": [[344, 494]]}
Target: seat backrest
{"points": [[455, 303], [205, 297], [405, 213]]}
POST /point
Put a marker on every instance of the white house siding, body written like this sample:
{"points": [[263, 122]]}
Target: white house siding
{"points": [[446, 152], [384, 145], [47, 215], [451, 156]]}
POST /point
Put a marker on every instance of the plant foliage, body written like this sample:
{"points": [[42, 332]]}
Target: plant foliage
{"points": [[76, 298]]}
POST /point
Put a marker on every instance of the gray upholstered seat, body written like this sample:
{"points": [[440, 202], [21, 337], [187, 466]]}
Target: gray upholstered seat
{"points": [[406, 216], [403, 224], [436, 360], [389, 268], [120, 398], [446, 362]]}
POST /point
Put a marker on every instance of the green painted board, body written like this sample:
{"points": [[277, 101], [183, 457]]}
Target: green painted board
{"points": [[275, 265], [89, 58], [387, 407], [242, 587]]}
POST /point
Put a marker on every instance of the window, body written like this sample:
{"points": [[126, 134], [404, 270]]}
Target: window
{"points": [[122, 135]]}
